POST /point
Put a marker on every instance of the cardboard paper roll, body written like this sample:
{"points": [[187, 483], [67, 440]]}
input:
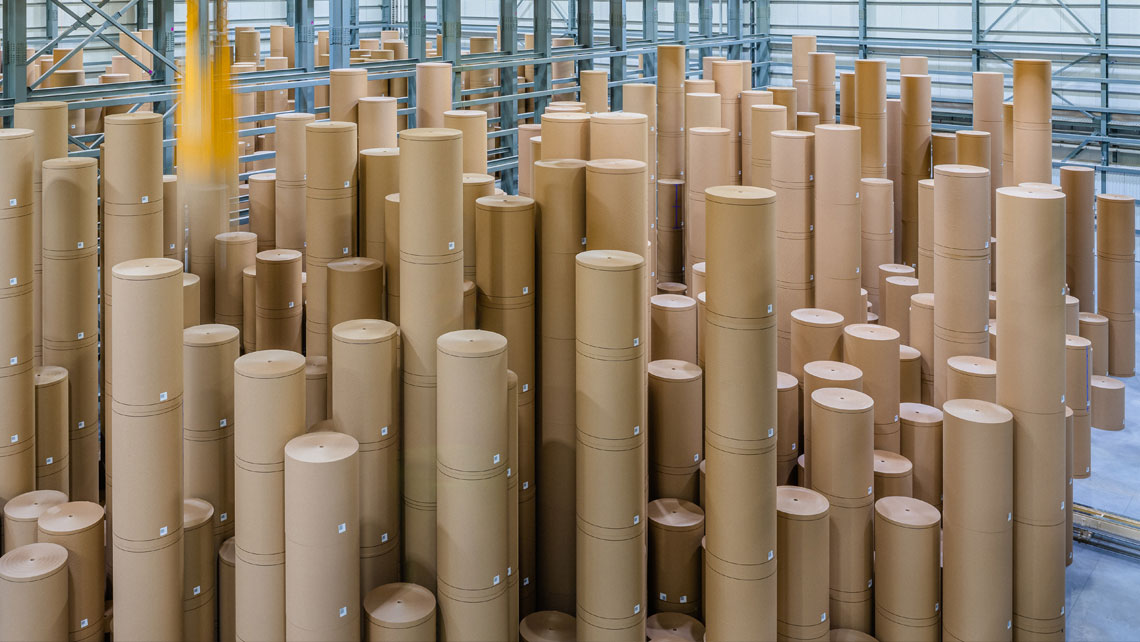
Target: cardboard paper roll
{"points": [[365, 358], [1032, 82], [1094, 327], [547, 626], [825, 374], [750, 98], [400, 612], [69, 206], [1114, 278], [673, 325], [208, 354], [475, 186], [16, 266], [21, 513], [249, 308], [278, 280], [740, 600], [78, 527], [207, 462], [262, 209], [48, 119], [907, 558], [566, 136], [34, 587], [355, 289], [969, 377], [505, 240], [133, 163], [973, 147], [802, 529], [227, 596], [807, 121], [1039, 589], [433, 93], [978, 477], [874, 350], [961, 204], [200, 567], [729, 469], [896, 303], [609, 494], [674, 626], [330, 155], [316, 390], [943, 149], [842, 435], [1107, 403], [147, 334], [615, 205], [1122, 344], [380, 176], [788, 417], [290, 139], [290, 215], [346, 88], [322, 533], [893, 475], [817, 335], [148, 508], [17, 390], [437, 207], [1072, 313], [702, 109], [802, 47], [740, 217], [149, 600], [260, 592], [611, 293], [19, 157], [611, 577], [472, 367], [846, 98], [821, 80], [481, 618], [675, 413], [850, 564], [741, 407], [376, 121], [619, 135], [675, 530], [1112, 222], [51, 423], [786, 97], [269, 404], [473, 124], [975, 559], [233, 252], [764, 121]]}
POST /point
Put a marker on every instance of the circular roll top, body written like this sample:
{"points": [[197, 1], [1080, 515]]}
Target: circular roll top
{"points": [[47, 376], [267, 177], [347, 72], [471, 344], [33, 562], [364, 331], [321, 447], [619, 118], [431, 134], [279, 256], [66, 163], [871, 332], [675, 514], [503, 202], [1106, 383], [567, 116], [609, 260], [189, 279], [908, 512], [317, 367], [236, 238], [69, 518], [471, 178], [548, 626], [976, 411], [903, 281], [355, 264], [330, 127], [923, 300], [786, 133], [1091, 318], [399, 605], [1029, 193], [196, 513], [978, 366], [465, 113], [666, 625], [674, 370], [146, 269], [964, 172], [29, 506], [817, 317], [561, 163], [907, 353], [889, 464], [836, 129], [297, 116], [708, 131], [833, 371], [801, 504], [739, 195], [227, 553], [1071, 341], [41, 105], [785, 381], [672, 302], [842, 400], [209, 335], [269, 364], [373, 151], [615, 166], [919, 414], [135, 119]]}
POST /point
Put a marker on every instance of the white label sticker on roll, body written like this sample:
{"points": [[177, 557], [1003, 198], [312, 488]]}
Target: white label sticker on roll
{"points": [[1008, 624], [451, 245], [870, 583], [346, 183], [856, 269], [13, 361], [146, 199], [222, 423], [13, 281], [583, 240], [795, 445], [771, 432], [224, 517], [508, 472], [636, 609], [526, 386], [637, 430], [495, 459], [162, 531], [495, 581], [696, 456], [384, 431], [48, 461], [510, 571], [341, 528], [636, 520], [14, 438], [1009, 517], [343, 611], [684, 599], [526, 290], [526, 581], [83, 623], [870, 489], [526, 485], [936, 606], [79, 245], [823, 616], [290, 304], [344, 250], [162, 396], [661, 596], [11, 202], [79, 335], [636, 341], [896, 417], [771, 554], [384, 538], [197, 589], [82, 424], [769, 308], [172, 246]]}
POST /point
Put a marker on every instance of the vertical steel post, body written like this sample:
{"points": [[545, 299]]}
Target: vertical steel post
{"points": [[338, 33], [618, 9], [542, 47], [585, 31], [508, 83], [301, 14], [15, 16]]}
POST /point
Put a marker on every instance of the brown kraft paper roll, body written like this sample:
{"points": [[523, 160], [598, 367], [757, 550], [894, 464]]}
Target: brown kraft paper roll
{"points": [[802, 528], [34, 588], [78, 527], [400, 612]]}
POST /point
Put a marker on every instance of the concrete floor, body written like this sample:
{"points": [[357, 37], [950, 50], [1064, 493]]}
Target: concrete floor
{"points": [[1101, 586]]}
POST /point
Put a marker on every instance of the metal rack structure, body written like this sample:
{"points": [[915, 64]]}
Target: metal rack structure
{"points": [[1091, 127]]}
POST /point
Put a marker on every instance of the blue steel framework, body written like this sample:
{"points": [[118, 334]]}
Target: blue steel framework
{"points": [[747, 33]]}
